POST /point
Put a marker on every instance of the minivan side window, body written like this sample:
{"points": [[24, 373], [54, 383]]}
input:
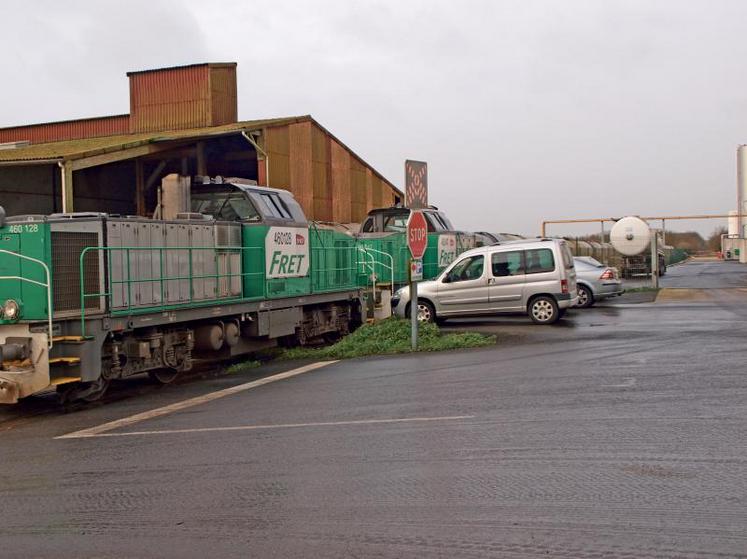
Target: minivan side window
{"points": [[468, 269], [539, 260], [507, 263]]}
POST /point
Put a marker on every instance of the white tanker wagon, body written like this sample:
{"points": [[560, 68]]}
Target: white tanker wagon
{"points": [[632, 237]]}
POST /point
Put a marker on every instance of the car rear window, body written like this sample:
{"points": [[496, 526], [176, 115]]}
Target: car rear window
{"points": [[567, 256], [540, 260]]}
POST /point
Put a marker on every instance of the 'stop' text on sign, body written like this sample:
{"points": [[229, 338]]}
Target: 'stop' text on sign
{"points": [[417, 234]]}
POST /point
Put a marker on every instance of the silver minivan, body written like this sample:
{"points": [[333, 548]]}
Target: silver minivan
{"points": [[536, 277]]}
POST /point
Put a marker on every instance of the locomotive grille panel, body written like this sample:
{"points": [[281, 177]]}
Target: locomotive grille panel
{"points": [[66, 249], [228, 236]]}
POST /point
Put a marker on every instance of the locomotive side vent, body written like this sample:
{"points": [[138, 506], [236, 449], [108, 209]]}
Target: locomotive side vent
{"points": [[66, 249]]}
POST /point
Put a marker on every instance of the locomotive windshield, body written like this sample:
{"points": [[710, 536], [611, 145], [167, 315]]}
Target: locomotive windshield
{"points": [[395, 221], [225, 206]]}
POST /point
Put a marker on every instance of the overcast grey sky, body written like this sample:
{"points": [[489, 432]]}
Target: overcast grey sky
{"points": [[523, 109]]}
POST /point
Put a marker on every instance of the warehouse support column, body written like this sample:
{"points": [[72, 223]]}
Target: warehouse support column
{"points": [[201, 163], [66, 172], [139, 188]]}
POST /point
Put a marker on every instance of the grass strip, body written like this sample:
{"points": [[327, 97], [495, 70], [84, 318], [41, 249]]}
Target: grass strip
{"points": [[388, 337]]}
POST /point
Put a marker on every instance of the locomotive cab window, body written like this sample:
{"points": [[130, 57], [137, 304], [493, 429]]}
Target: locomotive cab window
{"points": [[395, 223], [448, 226], [435, 223], [274, 206], [225, 206]]}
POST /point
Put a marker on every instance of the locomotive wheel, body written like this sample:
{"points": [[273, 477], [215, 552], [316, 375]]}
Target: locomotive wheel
{"points": [[163, 376]]}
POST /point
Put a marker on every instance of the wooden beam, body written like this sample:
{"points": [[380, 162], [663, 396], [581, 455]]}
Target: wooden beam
{"points": [[189, 151], [122, 154], [155, 175]]}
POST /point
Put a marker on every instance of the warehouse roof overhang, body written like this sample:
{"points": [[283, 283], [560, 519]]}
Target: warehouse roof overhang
{"points": [[90, 152]]}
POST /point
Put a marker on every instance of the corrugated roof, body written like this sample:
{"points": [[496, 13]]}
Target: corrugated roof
{"points": [[70, 121], [209, 64], [76, 149]]}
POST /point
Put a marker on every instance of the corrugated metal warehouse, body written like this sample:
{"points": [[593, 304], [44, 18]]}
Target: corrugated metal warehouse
{"points": [[182, 120]]}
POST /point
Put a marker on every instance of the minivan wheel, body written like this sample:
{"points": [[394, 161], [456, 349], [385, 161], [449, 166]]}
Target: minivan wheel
{"points": [[585, 297], [543, 310], [426, 312]]}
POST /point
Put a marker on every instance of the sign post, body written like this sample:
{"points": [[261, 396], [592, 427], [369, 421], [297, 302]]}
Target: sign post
{"points": [[416, 197], [417, 242]]}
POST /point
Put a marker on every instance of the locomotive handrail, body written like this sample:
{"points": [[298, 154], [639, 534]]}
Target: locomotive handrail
{"points": [[389, 256], [372, 266], [161, 279], [47, 286]]}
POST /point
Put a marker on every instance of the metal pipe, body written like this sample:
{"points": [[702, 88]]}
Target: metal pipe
{"points": [[263, 152], [543, 227]]}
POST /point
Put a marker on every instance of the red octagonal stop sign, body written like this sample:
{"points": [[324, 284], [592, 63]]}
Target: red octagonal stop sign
{"points": [[417, 234]]}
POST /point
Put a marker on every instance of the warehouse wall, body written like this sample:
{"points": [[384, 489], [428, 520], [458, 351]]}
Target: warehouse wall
{"points": [[329, 182]]}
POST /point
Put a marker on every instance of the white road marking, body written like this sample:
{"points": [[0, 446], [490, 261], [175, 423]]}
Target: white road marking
{"points": [[178, 406], [278, 426]]}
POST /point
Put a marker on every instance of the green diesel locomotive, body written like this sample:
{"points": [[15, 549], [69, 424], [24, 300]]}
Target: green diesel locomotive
{"points": [[87, 298]]}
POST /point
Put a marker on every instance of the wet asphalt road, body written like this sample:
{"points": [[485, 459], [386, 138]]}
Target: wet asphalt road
{"points": [[706, 274], [620, 432]]}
